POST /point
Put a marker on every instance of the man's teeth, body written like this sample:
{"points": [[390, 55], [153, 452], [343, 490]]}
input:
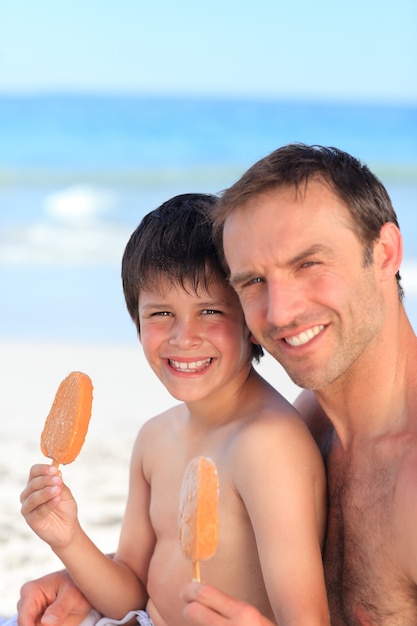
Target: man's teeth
{"points": [[194, 366], [306, 335]]}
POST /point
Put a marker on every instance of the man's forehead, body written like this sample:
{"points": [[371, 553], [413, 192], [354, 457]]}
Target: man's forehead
{"points": [[315, 194]]}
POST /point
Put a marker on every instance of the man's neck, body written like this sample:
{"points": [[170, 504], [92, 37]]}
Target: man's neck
{"points": [[372, 399]]}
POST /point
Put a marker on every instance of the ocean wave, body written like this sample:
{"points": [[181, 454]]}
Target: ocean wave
{"points": [[85, 224], [217, 175], [71, 230], [128, 177]]}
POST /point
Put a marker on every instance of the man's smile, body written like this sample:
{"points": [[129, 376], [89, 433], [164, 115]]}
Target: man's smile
{"points": [[305, 336]]}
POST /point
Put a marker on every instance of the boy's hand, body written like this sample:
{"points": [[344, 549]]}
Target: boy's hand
{"points": [[207, 606], [48, 506], [52, 600]]}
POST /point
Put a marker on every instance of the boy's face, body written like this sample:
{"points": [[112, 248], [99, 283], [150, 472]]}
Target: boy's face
{"points": [[197, 344]]}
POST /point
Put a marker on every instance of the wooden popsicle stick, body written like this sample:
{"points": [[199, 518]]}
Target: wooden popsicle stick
{"points": [[196, 572]]}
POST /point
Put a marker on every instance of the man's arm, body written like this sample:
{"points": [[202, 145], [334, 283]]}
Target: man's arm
{"points": [[51, 600]]}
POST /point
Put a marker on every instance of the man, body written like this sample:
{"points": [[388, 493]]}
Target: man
{"points": [[314, 249]]}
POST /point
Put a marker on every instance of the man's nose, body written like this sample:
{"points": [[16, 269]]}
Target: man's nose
{"points": [[284, 302]]}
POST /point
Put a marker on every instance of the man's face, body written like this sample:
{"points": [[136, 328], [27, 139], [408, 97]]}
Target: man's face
{"points": [[298, 268]]}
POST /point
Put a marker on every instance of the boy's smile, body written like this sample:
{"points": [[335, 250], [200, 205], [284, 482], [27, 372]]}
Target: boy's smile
{"points": [[190, 366]]}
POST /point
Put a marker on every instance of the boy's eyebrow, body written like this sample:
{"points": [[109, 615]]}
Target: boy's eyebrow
{"points": [[204, 303], [243, 277], [156, 304], [213, 303]]}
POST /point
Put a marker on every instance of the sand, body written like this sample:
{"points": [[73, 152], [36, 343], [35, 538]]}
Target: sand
{"points": [[126, 393]]}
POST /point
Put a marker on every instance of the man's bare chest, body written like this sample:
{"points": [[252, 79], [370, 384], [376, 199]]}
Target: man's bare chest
{"points": [[364, 580]]}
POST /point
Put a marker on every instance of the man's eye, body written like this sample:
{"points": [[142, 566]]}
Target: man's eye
{"points": [[252, 281]]}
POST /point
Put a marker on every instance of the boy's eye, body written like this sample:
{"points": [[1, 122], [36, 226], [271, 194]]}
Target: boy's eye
{"points": [[162, 313], [209, 312]]}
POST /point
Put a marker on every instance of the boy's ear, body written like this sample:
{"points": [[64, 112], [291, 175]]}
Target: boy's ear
{"points": [[388, 251]]}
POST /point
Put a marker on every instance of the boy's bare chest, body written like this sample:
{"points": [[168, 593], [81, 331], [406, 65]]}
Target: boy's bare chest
{"points": [[365, 584]]}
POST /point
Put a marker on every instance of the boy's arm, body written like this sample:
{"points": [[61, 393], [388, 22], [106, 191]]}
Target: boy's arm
{"points": [[280, 477], [118, 584]]}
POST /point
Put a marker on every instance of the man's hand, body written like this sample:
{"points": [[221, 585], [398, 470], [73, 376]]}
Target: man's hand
{"points": [[207, 606], [52, 600]]}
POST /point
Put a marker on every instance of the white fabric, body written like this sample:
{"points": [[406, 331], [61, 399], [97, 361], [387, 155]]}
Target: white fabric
{"points": [[8, 621], [94, 619]]}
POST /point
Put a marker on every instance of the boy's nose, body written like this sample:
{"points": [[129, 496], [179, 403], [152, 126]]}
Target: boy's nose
{"points": [[185, 335]]}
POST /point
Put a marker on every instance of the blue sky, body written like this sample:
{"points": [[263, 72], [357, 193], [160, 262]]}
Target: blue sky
{"points": [[322, 49]]}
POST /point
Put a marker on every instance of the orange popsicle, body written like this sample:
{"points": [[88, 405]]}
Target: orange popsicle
{"points": [[67, 423], [198, 517]]}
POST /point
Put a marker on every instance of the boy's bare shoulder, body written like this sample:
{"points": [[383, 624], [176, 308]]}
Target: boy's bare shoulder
{"points": [[158, 430], [153, 443], [264, 400], [267, 413], [272, 440]]}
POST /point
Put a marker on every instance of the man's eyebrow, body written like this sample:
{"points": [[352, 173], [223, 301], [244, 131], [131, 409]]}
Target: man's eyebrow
{"points": [[238, 279], [243, 277], [310, 251]]}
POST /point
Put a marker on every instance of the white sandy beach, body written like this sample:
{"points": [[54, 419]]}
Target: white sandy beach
{"points": [[126, 393]]}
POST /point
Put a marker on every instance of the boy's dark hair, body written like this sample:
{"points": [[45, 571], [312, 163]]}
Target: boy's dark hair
{"points": [[174, 242], [294, 165]]}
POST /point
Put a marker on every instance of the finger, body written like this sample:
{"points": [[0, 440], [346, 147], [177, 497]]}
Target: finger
{"points": [[29, 607], [41, 501], [43, 469], [209, 597], [207, 606], [69, 602], [199, 615], [39, 481]]}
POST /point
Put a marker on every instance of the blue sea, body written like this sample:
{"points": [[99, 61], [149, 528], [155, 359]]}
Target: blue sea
{"points": [[77, 174]]}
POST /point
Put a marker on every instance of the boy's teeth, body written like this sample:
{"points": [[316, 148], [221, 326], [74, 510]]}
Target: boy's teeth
{"points": [[305, 336], [194, 366]]}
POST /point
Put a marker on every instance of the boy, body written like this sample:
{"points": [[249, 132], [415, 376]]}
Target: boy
{"points": [[272, 483]]}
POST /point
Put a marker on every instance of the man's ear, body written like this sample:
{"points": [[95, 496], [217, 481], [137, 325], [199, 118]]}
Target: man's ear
{"points": [[388, 251], [253, 339]]}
